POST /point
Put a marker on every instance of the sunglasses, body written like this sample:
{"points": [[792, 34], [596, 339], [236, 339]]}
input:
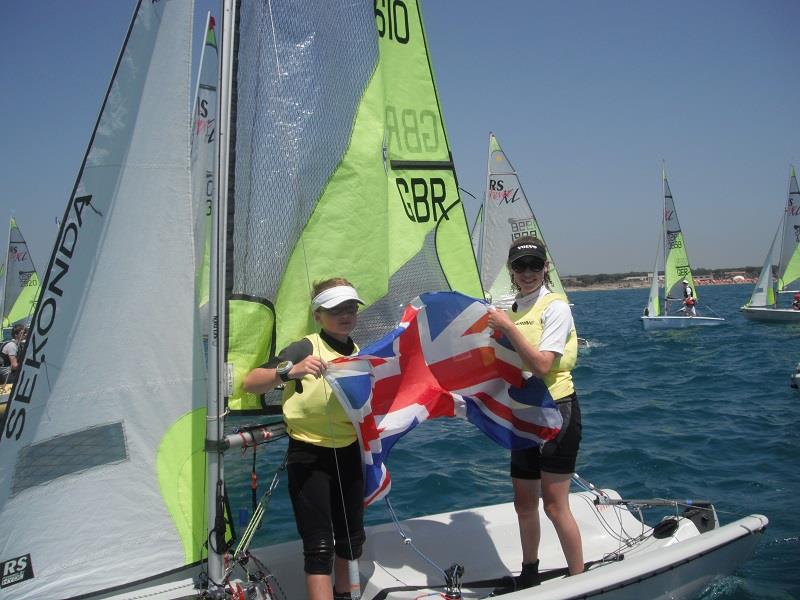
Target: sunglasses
{"points": [[350, 308], [520, 265]]}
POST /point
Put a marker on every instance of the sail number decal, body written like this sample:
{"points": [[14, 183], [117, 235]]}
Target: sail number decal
{"points": [[411, 130], [391, 19], [521, 227], [674, 240], [423, 199]]}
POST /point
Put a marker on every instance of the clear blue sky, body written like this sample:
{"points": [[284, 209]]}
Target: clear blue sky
{"points": [[587, 98]]}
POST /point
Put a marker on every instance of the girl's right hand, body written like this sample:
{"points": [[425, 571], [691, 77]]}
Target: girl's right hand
{"points": [[310, 365]]}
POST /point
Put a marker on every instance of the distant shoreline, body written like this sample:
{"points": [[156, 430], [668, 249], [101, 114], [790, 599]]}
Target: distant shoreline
{"points": [[622, 285]]}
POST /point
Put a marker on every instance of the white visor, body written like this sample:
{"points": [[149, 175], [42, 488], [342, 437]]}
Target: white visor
{"points": [[334, 297]]}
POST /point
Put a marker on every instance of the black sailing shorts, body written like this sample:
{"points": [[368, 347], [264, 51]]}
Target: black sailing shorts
{"points": [[558, 455]]}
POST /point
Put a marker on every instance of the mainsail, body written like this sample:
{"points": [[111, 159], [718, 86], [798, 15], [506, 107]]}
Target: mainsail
{"points": [[676, 259], [370, 195], [507, 215], [789, 262], [20, 283], [103, 447]]}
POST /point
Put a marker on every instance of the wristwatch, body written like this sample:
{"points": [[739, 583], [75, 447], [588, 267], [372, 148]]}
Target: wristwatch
{"points": [[283, 369]]}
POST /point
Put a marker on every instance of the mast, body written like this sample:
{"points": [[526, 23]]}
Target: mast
{"points": [[217, 388], [789, 258], [483, 216], [664, 233]]}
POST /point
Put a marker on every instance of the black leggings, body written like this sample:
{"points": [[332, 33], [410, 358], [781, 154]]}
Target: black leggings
{"points": [[324, 521]]}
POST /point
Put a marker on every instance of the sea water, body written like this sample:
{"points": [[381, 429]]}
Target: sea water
{"points": [[703, 413]]}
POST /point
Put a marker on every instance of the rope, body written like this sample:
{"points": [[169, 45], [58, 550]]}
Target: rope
{"points": [[408, 541]]}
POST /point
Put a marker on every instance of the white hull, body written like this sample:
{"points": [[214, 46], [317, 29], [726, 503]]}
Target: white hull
{"points": [[673, 322], [485, 542], [771, 315]]}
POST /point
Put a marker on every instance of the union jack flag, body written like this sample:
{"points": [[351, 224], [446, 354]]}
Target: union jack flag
{"points": [[443, 360]]}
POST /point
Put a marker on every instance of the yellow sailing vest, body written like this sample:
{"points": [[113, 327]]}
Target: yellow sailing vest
{"points": [[559, 379], [315, 414]]}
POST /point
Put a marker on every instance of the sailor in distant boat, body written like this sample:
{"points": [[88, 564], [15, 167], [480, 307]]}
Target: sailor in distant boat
{"points": [[540, 327], [326, 484], [796, 301], [9, 364], [689, 301]]}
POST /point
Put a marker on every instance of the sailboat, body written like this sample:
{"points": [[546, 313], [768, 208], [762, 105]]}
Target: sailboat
{"points": [[763, 304], [676, 271], [20, 284], [112, 460], [505, 216]]}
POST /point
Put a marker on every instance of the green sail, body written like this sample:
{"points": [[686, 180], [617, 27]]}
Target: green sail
{"points": [[676, 261], [388, 216], [789, 265], [21, 285]]}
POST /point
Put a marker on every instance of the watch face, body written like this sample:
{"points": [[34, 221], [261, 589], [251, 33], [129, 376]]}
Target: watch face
{"points": [[284, 367]]}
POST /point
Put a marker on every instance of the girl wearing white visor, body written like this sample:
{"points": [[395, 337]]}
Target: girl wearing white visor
{"points": [[326, 484]]}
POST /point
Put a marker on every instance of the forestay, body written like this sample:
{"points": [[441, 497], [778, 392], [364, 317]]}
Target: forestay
{"points": [[104, 436]]}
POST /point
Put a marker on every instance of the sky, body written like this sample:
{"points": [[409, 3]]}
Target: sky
{"points": [[588, 99]]}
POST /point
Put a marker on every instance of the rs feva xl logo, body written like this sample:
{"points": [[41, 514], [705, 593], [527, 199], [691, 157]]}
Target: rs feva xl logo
{"points": [[16, 570]]}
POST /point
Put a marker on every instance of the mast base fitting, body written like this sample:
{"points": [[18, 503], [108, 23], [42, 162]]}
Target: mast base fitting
{"points": [[452, 585]]}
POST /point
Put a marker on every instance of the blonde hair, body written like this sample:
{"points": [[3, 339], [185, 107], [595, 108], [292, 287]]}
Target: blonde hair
{"points": [[326, 284]]}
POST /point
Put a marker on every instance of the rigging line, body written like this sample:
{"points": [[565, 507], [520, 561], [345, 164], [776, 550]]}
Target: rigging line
{"points": [[468, 192], [408, 541], [258, 514], [325, 388]]}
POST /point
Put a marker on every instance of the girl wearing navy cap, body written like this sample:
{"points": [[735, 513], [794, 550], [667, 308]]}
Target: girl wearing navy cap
{"points": [[540, 327]]}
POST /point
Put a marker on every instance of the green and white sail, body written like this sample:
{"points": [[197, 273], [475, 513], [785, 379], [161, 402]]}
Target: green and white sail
{"points": [[654, 308], [676, 258], [346, 175], [21, 282], [102, 454], [764, 291], [789, 261], [203, 160], [507, 215]]}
